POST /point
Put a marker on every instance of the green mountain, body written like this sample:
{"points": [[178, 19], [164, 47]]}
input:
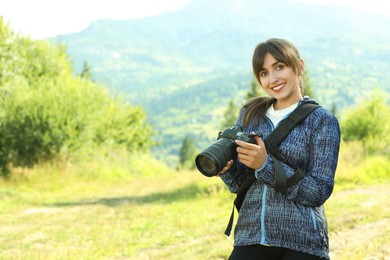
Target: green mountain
{"points": [[184, 67]]}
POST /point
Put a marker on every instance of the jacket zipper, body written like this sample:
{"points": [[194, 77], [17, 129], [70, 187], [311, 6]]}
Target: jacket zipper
{"points": [[313, 218], [263, 203], [263, 200]]}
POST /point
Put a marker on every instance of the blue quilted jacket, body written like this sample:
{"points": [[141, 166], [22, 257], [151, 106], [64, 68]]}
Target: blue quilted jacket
{"points": [[296, 219]]}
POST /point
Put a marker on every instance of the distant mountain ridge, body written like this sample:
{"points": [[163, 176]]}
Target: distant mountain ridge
{"points": [[194, 60]]}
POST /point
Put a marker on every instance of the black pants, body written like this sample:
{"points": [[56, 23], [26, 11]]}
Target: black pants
{"points": [[259, 252]]}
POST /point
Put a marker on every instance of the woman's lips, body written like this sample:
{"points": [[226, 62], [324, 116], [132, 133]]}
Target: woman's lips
{"points": [[278, 87]]}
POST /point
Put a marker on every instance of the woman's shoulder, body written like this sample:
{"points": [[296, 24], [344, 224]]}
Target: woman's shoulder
{"points": [[321, 110], [321, 113]]}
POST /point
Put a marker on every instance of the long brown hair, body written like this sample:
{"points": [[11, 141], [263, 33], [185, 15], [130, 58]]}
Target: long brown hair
{"points": [[283, 51]]}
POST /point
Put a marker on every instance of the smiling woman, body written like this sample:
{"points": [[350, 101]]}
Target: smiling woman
{"points": [[286, 223], [44, 18]]}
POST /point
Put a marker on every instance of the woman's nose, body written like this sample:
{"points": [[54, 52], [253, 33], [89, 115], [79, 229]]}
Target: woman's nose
{"points": [[274, 77]]}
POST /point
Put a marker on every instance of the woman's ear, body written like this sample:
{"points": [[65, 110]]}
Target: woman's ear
{"points": [[301, 67]]}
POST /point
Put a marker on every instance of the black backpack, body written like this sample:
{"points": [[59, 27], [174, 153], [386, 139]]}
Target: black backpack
{"points": [[272, 143]]}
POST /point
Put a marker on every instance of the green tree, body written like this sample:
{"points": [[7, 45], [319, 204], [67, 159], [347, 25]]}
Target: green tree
{"points": [[333, 109], [307, 87], [86, 71], [230, 115], [255, 90], [369, 123], [187, 154]]}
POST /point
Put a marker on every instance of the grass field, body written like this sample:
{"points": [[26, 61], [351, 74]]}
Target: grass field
{"points": [[170, 214], [178, 215]]}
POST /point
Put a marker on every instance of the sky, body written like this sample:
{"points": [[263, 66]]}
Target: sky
{"points": [[48, 18]]}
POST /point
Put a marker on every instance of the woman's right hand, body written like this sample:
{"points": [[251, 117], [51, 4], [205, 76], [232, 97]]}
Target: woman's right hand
{"points": [[226, 168]]}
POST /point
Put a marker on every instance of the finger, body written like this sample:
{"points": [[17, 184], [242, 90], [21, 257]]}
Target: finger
{"points": [[248, 161], [244, 161], [250, 150], [226, 168], [222, 172], [240, 150], [243, 144], [258, 140], [243, 157]]}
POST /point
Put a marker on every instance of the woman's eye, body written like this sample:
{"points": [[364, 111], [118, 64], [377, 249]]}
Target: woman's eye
{"points": [[280, 67], [263, 74]]}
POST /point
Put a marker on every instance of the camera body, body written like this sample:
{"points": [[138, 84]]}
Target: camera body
{"points": [[212, 160], [235, 133]]}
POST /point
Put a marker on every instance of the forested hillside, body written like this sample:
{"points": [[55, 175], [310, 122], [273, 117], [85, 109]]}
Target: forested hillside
{"points": [[184, 67]]}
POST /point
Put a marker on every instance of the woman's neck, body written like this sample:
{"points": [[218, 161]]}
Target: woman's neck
{"points": [[281, 104]]}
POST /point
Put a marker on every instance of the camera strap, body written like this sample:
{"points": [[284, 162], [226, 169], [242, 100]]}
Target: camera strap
{"points": [[272, 143]]}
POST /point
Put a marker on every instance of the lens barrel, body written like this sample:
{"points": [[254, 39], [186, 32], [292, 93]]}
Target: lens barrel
{"points": [[212, 160]]}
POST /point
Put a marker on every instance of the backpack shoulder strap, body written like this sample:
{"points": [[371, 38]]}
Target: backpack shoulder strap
{"points": [[276, 137], [285, 126]]}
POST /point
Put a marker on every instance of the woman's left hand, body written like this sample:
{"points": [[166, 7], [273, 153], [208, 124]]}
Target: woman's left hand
{"points": [[251, 155]]}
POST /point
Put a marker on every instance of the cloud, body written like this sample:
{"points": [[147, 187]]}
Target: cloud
{"points": [[45, 18]]}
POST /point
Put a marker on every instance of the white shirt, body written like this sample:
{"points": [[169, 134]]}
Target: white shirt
{"points": [[277, 115]]}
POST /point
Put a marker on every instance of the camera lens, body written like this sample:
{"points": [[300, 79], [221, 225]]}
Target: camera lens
{"points": [[207, 164], [214, 158]]}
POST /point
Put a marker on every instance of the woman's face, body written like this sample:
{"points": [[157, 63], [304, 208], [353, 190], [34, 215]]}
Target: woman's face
{"points": [[280, 81]]}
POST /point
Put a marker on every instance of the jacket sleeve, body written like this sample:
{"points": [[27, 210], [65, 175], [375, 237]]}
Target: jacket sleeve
{"points": [[317, 185]]}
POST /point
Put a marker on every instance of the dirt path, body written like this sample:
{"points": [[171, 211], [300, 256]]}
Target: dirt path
{"points": [[370, 237]]}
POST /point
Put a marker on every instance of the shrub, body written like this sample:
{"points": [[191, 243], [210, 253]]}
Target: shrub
{"points": [[47, 111], [369, 123]]}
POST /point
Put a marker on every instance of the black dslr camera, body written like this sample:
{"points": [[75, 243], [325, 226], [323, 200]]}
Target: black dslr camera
{"points": [[214, 158]]}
